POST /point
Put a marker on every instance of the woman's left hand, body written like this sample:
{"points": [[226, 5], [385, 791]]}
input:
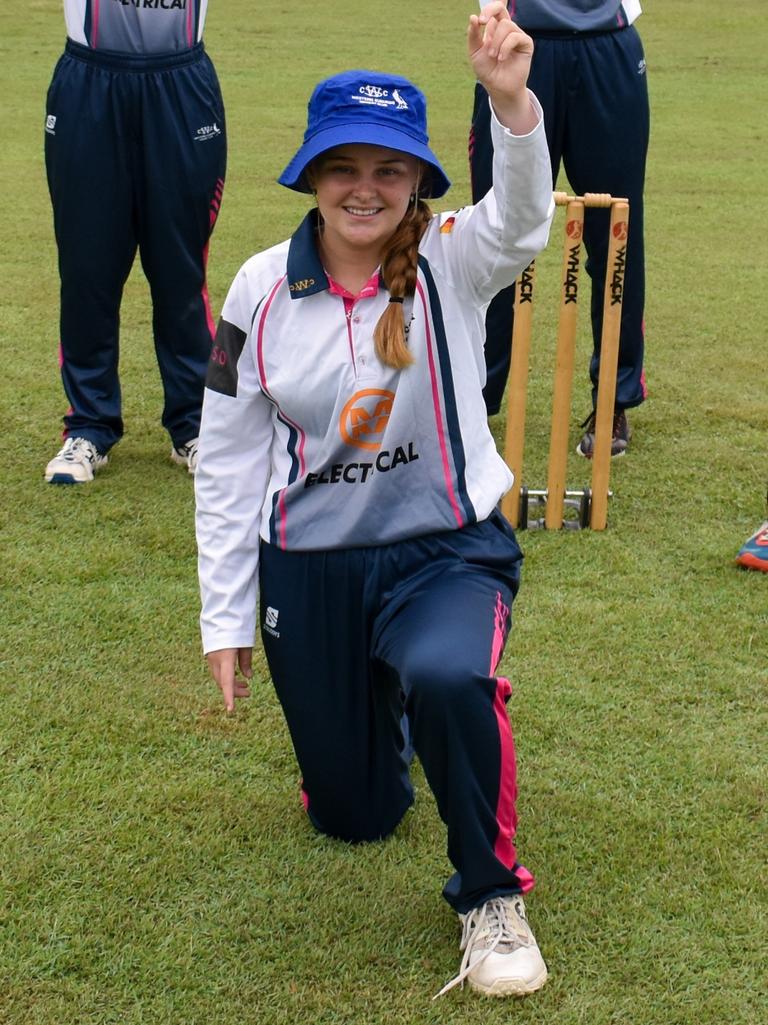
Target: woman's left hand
{"points": [[500, 53]]}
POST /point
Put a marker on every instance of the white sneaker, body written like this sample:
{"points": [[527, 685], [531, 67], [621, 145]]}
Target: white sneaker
{"points": [[501, 956], [75, 463], [186, 455]]}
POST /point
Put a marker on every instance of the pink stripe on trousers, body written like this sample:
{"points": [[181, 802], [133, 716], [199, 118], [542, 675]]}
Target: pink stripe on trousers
{"points": [[506, 816]]}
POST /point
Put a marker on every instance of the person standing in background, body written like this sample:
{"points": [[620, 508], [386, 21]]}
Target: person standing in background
{"points": [[589, 73], [135, 152]]}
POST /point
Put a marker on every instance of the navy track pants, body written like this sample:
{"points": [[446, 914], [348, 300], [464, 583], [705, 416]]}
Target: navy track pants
{"points": [[135, 152], [353, 636], [594, 93]]}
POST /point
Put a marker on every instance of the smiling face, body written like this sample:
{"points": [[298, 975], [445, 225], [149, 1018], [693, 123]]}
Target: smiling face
{"points": [[363, 193]]}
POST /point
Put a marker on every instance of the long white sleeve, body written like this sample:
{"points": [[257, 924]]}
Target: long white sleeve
{"points": [[230, 487], [486, 246]]}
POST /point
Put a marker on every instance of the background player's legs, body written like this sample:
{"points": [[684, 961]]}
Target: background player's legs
{"points": [[181, 187], [499, 317], [442, 634], [89, 165], [604, 150], [344, 720]]}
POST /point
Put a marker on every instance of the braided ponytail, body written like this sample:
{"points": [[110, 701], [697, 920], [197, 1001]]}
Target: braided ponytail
{"points": [[399, 264]]}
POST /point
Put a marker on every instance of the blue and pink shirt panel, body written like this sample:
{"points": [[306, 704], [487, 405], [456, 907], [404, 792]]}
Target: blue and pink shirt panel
{"points": [[136, 26], [573, 15]]}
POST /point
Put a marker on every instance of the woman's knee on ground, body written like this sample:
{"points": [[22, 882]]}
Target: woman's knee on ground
{"points": [[353, 824]]}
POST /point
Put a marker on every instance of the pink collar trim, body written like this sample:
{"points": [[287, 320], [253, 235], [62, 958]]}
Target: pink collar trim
{"points": [[371, 287]]}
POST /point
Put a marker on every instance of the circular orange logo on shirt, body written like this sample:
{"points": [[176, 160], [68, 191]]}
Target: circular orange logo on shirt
{"points": [[365, 417]]}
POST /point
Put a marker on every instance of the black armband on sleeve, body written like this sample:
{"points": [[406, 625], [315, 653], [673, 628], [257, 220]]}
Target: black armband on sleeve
{"points": [[226, 351]]}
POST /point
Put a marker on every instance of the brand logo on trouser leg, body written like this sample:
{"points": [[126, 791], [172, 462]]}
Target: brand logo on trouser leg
{"points": [[270, 620]]}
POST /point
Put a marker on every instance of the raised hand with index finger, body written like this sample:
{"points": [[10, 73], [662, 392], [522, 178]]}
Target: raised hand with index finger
{"points": [[500, 53]]}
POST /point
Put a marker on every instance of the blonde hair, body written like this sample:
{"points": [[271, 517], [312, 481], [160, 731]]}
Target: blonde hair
{"points": [[399, 264]]}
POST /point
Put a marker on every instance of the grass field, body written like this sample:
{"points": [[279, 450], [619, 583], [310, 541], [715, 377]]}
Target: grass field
{"points": [[156, 864]]}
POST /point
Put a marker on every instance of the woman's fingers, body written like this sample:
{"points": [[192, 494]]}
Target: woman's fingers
{"points": [[223, 665], [515, 41], [483, 26]]}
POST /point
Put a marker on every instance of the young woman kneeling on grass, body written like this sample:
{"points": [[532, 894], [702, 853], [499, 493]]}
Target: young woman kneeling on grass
{"points": [[347, 474]]}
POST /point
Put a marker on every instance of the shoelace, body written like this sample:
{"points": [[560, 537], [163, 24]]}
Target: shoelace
{"points": [[188, 448], [493, 925], [79, 449], [188, 451], [589, 423]]}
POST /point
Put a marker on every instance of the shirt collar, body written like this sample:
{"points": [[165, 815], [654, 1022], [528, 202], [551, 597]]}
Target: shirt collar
{"points": [[305, 270], [306, 274]]}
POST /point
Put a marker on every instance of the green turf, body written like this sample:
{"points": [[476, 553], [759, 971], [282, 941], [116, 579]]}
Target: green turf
{"points": [[156, 864]]}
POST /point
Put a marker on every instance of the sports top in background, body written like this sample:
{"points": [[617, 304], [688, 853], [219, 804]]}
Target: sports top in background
{"points": [[136, 26], [572, 15]]}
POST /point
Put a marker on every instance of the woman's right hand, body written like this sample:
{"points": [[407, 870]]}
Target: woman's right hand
{"points": [[500, 54], [224, 665]]}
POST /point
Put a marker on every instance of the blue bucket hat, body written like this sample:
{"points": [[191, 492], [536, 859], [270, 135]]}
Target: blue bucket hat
{"points": [[369, 107]]}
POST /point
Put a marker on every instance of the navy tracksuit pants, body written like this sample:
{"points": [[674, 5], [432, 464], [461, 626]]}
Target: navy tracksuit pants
{"points": [[135, 151], [593, 90], [353, 636]]}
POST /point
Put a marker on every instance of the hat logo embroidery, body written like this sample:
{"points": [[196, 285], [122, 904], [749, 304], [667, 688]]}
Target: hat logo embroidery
{"points": [[374, 91], [374, 95]]}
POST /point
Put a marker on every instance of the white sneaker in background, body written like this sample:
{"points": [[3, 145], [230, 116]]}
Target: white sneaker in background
{"points": [[75, 463], [186, 455]]}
